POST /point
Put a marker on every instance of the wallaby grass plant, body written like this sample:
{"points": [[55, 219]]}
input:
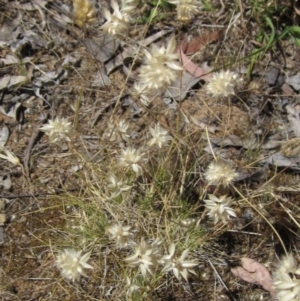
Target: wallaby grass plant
{"points": [[158, 214]]}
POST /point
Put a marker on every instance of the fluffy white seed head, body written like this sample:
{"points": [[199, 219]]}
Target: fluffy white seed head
{"points": [[223, 84], [117, 24], [131, 287], [178, 265], [72, 264], [120, 234], [146, 257], [220, 173], [161, 67], [116, 186], [117, 129], [140, 91], [187, 9], [287, 279], [131, 158], [159, 135], [57, 130], [129, 7], [219, 208]]}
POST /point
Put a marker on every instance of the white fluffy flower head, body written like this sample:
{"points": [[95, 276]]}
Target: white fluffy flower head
{"points": [[220, 173], [162, 67], [120, 234], [187, 9], [287, 280], [146, 257], [219, 208], [117, 186], [179, 265], [129, 7], [131, 287], [72, 264], [117, 24], [130, 158], [159, 135], [115, 129], [58, 129], [223, 84], [141, 92]]}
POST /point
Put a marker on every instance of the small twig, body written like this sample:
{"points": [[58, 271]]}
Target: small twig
{"points": [[41, 279], [29, 147], [244, 232], [34, 195], [221, 280], [210, 146]]}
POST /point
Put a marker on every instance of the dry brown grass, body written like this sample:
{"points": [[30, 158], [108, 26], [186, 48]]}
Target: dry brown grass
{"points": [[57, 207]]}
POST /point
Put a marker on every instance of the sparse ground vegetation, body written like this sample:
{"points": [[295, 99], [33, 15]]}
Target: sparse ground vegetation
{"points": [[149, 150]]}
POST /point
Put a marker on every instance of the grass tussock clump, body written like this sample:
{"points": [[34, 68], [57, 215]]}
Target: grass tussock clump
{"points": [[168, 193], [152, 205]]}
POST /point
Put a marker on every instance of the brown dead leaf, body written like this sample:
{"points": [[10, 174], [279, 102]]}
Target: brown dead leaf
{"points": [[287, 90], [193, 68], [199, 42], [192, 47], [254, 272]]}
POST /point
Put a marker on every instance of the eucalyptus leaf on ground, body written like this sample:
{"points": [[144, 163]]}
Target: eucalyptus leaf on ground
{"points": [[254, 272]]}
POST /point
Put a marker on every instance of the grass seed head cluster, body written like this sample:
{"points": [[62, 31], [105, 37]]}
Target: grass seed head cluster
{"points": [[72, 264], [83, 12], [186, 9], [117, 23], [161, 67], [220, 173], [287, 279], [58, 130], [223, 84], [219, 208]]}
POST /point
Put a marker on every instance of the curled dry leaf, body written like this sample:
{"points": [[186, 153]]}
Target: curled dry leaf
{"points": [[280, 160], [4, 134], [12, 80], [254, 272], [12, 112], [294, 81]]}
